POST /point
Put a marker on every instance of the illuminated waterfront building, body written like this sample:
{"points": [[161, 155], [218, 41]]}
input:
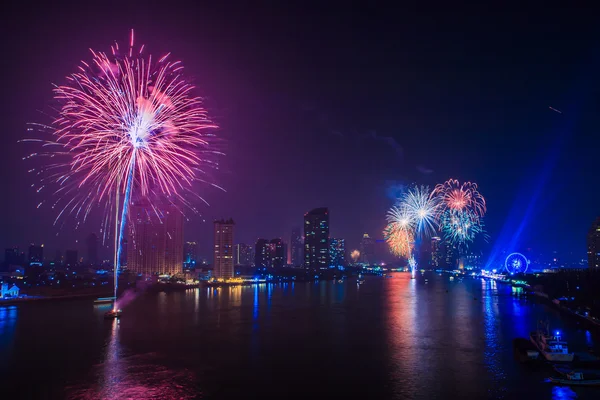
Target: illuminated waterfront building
{"points": [[262, 258], [436, 251], [277, 253], [242, 254], [337, 252], [316, 238], [223, 251], [296, 248], [190, 255], [367, 249], [36, 254], [155, 240], [593, 245]]}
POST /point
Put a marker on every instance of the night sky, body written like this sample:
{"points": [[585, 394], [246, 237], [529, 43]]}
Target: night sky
{"points": [[341, 107]]}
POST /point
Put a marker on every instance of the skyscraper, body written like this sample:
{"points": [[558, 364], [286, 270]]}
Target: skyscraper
{"points": [[296, 248], [593, 245], [242, 254], [155, 241], [36, 254], [316, 238], [11, 256], [367, 249], [337, 252], [223, 253], [262, 258], [436, 251], [92, 249], [190, 255], [277, 253]]}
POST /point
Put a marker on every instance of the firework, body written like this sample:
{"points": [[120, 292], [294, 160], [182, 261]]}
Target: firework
{"points": [[355, 255], [399, 238], [461, 210], [421, 206], [128, 125], [460, 197]]}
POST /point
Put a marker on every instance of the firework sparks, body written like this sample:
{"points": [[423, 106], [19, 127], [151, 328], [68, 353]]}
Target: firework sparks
{"points": [[399, 239], [461, 211], [128, 125], [421, 206]]}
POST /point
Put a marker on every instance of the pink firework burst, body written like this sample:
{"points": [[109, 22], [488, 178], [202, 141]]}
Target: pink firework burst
{"points": [[127, 122]]}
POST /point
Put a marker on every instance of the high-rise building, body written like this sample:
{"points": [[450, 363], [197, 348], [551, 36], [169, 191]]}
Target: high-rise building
{"points": [[242, 254], [223, 253], [71, 258], [337, 252], [190, 255], [316, 238], [247, 255], [277, 253], [11, 256], [367, 249], [262, 257], [155, 242], [436, 251], [92, 249], [36, 254], [296, 248], [450, 256], [593, 245]]}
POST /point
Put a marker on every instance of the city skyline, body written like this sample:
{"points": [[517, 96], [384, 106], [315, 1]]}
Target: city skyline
{"points": [[370, 140]]}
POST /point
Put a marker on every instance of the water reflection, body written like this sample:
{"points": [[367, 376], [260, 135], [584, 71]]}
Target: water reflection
{"points": [[8, 323]]}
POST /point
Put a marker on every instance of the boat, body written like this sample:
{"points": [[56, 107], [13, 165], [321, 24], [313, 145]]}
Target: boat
{"points": [[576, 378], [101, 300], [524, 350], [360, 281], [551, 347], [113, 314]]}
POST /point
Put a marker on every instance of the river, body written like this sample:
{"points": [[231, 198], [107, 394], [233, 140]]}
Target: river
{"points": [[422, 338]]}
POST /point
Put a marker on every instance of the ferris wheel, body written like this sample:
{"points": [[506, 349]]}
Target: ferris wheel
{"points": [[516, 263]]}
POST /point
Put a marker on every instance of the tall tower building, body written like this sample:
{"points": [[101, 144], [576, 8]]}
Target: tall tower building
{"points": [[36, 254], [436, 251], [242, 254], [296, 248], [593, 246], [223, 253], [277, 253], [316, 238], [92, 249], [262, 257], [367, 249], [155, 241], [190, 255], [337, 251]]}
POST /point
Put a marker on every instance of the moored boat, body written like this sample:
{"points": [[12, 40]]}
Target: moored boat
{"points": [[575, 378], [551, 347]]}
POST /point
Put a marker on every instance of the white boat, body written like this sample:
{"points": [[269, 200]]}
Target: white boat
{"points": [[551, 347]]}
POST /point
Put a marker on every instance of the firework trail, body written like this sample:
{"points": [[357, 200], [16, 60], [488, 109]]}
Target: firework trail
{"points": [[461, 211], [128, 124], [422, 207], [415, 216]]}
